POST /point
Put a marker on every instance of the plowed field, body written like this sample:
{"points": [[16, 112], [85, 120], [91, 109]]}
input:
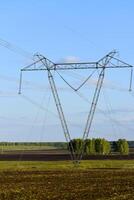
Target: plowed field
{"points": [[95, 184]]}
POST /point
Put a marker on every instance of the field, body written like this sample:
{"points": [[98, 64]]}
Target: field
{"points": [[92, 180], [16, 146], [43, 172]]}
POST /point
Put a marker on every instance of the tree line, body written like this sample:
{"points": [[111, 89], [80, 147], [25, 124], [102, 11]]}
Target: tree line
{"points": [[92, 146], [58, 145], [100, 146]]}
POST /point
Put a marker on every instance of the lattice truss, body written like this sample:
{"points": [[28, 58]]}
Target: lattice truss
{"points": [[108, 61]]}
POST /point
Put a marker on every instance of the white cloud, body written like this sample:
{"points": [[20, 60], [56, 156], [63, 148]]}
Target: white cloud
{"points": [[70, 59]]}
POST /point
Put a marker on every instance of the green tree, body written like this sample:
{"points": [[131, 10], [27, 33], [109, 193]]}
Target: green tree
{"points": [[102, 146], [105, 147], [77, 145], [98, 145], [122, 147], [90, 146]]}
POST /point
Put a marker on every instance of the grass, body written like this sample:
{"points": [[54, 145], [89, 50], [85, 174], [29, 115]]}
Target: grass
{"points": [[65, 165], [14, 146], [25, 147]]}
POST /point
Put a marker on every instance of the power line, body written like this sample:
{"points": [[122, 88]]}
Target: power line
{"points": [[15, 49], [81, 85]]}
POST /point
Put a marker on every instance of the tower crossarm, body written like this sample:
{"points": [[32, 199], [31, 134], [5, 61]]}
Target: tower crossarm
{"points": [[38, 65]]}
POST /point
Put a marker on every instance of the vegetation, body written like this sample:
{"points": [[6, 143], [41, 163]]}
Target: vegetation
{"points": [[122, 147], [64, 165], [77, 145], [8, 146], [92, 146], [100, 146], [54, 180]]}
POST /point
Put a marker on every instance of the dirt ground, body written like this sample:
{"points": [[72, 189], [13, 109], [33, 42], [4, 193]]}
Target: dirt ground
{"points": [[95, 184], [54, 155]]}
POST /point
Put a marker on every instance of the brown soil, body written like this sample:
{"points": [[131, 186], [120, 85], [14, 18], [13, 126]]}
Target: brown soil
{"points": [[67, 185], [54, 155]]}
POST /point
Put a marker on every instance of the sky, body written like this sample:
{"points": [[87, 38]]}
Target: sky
{"points": [[64, 30]]}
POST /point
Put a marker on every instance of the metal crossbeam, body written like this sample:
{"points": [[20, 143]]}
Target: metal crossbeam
{"points": [[37, 65]]}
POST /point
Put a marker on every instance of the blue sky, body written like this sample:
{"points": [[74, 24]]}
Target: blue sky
{"points": [[64, 30]]}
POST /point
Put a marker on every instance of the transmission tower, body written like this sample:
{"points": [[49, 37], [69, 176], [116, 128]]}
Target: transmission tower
{"points": [[109, 61]]}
